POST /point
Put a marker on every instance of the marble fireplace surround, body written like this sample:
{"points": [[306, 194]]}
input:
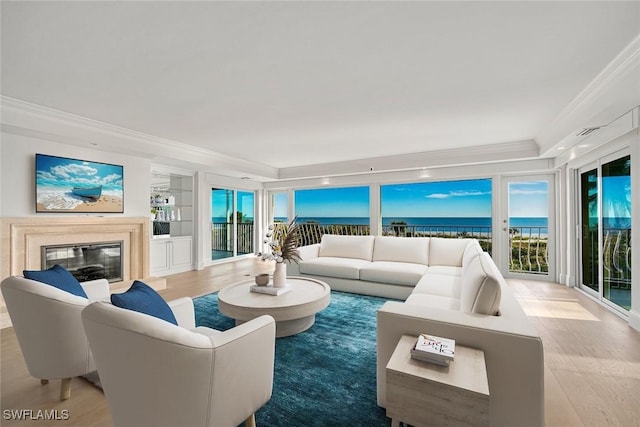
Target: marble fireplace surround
{"points": [[22, 238]]}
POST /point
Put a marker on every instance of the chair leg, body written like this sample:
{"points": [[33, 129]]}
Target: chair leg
{"points": [[65, 389], [251, 421], [44, 382]]}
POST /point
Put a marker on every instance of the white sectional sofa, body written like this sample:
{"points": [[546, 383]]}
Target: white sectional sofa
{"points": [[449, 288]]}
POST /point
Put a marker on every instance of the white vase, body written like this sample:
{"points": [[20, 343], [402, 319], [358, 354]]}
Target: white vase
{"points": [[280, 275]]}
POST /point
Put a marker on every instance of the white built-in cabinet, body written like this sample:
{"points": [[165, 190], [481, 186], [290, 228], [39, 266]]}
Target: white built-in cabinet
{"points": [[171, 203], [171, 255]]}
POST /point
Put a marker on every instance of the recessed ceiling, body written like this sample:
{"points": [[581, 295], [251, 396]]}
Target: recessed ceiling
{"points": [[289, 84]]}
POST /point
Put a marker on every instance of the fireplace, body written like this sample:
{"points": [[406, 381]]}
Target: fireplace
{"points": [[22, 239], [86, 261]]}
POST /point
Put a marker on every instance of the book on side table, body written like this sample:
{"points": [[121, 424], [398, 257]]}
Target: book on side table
{"points": [[430, 348], [270, 290]]}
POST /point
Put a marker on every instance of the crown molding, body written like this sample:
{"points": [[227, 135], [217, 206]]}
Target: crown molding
{"points": [[32, 120], [613, 92]]}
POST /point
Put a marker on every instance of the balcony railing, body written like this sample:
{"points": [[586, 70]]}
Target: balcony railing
{"points": [[222, 237], [529, 245], [616, 257], [529, 250], [312, 232]]}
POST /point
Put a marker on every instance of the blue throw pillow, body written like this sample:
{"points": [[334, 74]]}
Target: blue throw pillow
{"points": [[59, 277], [142, 298]]}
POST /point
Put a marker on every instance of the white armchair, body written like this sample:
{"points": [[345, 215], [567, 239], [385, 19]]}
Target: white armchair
{"points": [[157, 374], [49, 330]]}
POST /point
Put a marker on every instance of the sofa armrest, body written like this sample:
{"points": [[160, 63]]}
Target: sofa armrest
{"points": [[184, 312], [306, 253], [513, 354], [309, 252], [96, 290]]}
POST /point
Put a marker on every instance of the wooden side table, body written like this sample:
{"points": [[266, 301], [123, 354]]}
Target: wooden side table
{"points": [[423, 394]]}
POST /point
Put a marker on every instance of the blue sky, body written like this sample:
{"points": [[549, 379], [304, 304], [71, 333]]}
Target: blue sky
{"points": [[222, 203], [528, 199], [468, 198], [463, 198], [333, 202]]}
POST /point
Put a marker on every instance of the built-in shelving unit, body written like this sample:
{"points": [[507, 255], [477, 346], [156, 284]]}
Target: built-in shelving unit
{"points": [[171, 205]]}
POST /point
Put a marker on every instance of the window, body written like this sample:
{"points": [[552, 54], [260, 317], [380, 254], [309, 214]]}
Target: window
{"points": [[332, 211], [442, 209]]}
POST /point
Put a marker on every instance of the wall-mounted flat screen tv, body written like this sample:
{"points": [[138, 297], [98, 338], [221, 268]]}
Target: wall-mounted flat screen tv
{"points": [[78, 186]]}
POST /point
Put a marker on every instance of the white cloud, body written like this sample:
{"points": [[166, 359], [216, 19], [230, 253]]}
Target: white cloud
{"points": [[468, 193], [458, 193]]}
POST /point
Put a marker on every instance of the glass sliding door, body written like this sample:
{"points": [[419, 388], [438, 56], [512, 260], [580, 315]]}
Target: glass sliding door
{"points": [[605, 215], [222, 229], [244, 222], [589, 224], [232, 223], [616, 231]]}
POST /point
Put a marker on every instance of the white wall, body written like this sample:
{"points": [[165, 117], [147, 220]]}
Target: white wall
{"points": [[17, 175]]}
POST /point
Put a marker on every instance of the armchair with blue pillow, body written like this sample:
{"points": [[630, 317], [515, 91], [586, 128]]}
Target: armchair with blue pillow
{"points": [[45, 307], [158, 369]]}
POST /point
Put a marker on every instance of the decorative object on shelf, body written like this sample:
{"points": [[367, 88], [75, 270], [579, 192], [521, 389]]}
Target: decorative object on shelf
{"points": [[178, 215], [173, 215], [284, 252], [262, 279]]}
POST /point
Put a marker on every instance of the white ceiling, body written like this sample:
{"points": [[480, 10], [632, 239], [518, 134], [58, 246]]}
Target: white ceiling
{"points": [[290, 84]]}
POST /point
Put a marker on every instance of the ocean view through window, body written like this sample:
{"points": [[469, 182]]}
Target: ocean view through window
{"points": [[449, 209]]}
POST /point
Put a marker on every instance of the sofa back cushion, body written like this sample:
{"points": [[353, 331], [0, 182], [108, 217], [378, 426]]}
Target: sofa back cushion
{"points": [[359, 247], [480, 288], [401, 249], [472, 251], [444, 251]]}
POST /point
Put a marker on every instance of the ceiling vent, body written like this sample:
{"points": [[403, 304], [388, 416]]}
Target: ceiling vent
{"points": [[587, 131]]}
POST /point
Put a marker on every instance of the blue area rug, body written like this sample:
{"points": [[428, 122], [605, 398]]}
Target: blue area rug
{"points": [[325, 376]]}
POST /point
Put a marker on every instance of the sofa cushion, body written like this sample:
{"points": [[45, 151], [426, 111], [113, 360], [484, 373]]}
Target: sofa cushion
{"points": [[395, 273], [343, 268], [142, 298], [58, 277], [480, 291], [449, 270], [401, 249], [445, 285], [443, 251], [436, 301], [359, 247]]}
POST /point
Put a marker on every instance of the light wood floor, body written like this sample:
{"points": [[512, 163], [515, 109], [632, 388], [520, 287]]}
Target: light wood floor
{"points": [[592, 357]]}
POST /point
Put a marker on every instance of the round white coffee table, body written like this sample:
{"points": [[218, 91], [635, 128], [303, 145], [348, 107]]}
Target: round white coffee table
{"points": [[294, 311]]}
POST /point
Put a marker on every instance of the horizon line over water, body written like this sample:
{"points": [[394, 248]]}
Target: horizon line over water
{"points": [[425, 221]]}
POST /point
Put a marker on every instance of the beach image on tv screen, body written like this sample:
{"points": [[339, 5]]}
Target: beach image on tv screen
{"points": [[71, 185]]}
